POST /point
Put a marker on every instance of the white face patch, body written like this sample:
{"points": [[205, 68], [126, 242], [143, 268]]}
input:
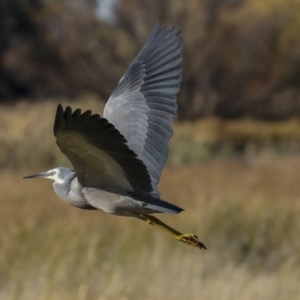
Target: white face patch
{"points": [[55, 175]]}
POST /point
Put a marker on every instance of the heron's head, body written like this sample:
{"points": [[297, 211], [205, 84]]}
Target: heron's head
{"points": [[59, 175]]}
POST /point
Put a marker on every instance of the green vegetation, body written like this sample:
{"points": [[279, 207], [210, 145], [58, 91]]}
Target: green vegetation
{"points": [[245, 210]]}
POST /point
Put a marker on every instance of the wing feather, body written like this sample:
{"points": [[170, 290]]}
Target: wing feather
{"points": [[143, 105], [98, 153]]}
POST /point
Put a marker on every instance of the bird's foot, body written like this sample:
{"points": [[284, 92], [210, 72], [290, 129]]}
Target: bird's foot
{"points": [[191, 239]]}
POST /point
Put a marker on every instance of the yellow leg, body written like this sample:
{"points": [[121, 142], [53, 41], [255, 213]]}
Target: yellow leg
{"points": [[189, 239]]}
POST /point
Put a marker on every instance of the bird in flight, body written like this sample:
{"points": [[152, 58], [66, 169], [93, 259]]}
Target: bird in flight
{"points": [[118, 158]]}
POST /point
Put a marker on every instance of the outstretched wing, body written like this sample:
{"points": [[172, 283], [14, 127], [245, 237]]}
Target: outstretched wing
{"points": [[143, 105], [98, 152]]}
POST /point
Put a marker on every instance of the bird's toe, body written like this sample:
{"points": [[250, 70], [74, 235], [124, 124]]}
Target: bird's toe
{"points": [[191, 239]]}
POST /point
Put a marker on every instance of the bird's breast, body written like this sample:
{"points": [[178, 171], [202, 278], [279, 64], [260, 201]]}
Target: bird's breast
{"points": [[71, 193]]}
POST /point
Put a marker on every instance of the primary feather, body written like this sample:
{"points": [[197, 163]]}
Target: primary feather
{"points": [[143, 105], [98, 153]]}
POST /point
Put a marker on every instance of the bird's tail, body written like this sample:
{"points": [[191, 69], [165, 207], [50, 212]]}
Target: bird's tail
{"points": [[162, 206]]}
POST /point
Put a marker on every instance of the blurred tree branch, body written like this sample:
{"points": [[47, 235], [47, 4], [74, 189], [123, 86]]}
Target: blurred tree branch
{"points": [[241, 58]]}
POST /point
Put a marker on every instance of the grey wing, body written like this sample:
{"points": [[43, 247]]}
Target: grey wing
{"points": [[143, 105], [99, 154]]}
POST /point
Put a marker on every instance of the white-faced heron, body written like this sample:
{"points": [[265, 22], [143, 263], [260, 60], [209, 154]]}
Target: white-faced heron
{"points": [[118, 158]]}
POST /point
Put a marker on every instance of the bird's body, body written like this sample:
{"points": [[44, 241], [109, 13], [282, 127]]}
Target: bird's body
{"points": [[114, 201], [118, 158]]}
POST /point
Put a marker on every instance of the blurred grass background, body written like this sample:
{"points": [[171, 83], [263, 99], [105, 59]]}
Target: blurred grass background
{"points": [[234, 162], [245, 207]]}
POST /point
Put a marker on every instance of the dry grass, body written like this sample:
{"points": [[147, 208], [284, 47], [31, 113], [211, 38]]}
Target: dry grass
{"points": [[245, 211], [216, 138], [26, 137]]}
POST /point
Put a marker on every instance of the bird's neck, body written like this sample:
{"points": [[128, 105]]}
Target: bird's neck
{"points": [[62, 188]]}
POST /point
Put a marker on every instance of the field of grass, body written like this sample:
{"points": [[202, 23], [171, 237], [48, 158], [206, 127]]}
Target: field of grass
{"points": [[245, 208]]}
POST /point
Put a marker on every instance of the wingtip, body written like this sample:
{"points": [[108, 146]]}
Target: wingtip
{"points": [[178, 33], [68, 111], [164, 31], [164, 27], [59, 108], [59, 119]]}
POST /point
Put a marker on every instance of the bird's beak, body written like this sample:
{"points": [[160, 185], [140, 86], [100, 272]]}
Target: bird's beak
{"points": [[41, 175]]}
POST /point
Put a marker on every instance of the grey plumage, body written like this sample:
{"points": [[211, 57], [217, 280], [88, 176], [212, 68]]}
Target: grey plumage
{"points": [[118, 158], [143, 105]]}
